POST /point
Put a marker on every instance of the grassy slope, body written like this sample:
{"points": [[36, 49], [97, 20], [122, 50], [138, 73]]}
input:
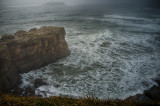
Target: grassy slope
{"points": [[8, 99]]}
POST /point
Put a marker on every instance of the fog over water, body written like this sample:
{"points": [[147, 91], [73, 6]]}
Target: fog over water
{"points": [[115, 52], [74, 2]]}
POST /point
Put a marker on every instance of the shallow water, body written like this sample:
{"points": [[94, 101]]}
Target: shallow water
{"points": [[114, 53]]}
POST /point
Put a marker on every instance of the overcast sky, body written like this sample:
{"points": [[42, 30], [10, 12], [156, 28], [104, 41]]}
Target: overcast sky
{"points": [[37, 2], [34, 2]]}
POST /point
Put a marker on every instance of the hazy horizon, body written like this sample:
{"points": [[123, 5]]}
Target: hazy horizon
{"points": [[75, 2], [114, 47]]}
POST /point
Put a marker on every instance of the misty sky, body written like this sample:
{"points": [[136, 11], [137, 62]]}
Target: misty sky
{"points": [[34, 2], [72, 2]]}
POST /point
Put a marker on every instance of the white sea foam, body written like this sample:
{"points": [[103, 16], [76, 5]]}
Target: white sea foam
{"points": [[143, 24], [112, 56], [115, 71], [124, 17]]}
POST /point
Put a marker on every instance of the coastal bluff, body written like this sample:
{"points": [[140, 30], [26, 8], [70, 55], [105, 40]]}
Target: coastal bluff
{"points": [[26, 51]]}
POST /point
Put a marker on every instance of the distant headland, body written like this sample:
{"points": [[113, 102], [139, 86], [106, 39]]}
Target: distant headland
{"points": [[55, 3]]}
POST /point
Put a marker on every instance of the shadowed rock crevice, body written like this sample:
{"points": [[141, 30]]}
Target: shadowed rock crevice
{"points": [[26, 51]]}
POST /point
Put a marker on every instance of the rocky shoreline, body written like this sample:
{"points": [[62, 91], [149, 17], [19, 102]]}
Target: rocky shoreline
{"points": [[27, 51], [150, 95]]}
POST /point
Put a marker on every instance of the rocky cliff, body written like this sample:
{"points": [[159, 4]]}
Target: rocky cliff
{"points": [[26, 51]]}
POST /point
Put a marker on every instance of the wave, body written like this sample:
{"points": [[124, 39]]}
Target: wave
{"points": [[141, 24], [109, 57], [103, 65], [4, 10], [124, 17], [152, 9]]}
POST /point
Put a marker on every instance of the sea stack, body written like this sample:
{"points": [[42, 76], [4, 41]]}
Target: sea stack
{"points": [[27, 51]]}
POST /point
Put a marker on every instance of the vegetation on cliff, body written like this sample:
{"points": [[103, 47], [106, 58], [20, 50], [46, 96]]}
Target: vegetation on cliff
{"points": [[11, 100]]}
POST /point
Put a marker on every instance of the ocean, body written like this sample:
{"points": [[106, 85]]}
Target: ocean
{"points": [[115, 53]]}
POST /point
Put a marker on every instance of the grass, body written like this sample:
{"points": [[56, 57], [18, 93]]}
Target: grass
{"points": [[12, 100]]}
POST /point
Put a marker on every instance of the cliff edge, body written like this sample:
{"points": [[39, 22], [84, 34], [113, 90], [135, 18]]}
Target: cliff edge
{"points": [[26, 51]]}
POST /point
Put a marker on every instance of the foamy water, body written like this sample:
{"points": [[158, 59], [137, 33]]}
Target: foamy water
{"points": [[112, 55], [100, 65]]}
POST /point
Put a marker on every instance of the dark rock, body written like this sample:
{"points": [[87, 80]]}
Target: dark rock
{"points": [[30, 51], [33, 30], [56, 85], [29, 91], [153, 93], [158, 82], [139, 98], [38, 83], [7, 36], [20, 33], [17, 91], [105, 44]]}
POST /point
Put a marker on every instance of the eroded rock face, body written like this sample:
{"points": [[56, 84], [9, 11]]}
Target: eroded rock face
{"points": [[27, 51]]}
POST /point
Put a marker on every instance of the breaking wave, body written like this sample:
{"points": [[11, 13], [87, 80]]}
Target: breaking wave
{"points": [[113, 55], [102, 65]]}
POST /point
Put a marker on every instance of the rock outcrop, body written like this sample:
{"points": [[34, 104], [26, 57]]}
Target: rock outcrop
{"points": [[150, 95], [26, 51]]}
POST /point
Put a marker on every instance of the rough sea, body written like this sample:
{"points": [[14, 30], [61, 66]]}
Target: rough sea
{"points": [[115, 53]]}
